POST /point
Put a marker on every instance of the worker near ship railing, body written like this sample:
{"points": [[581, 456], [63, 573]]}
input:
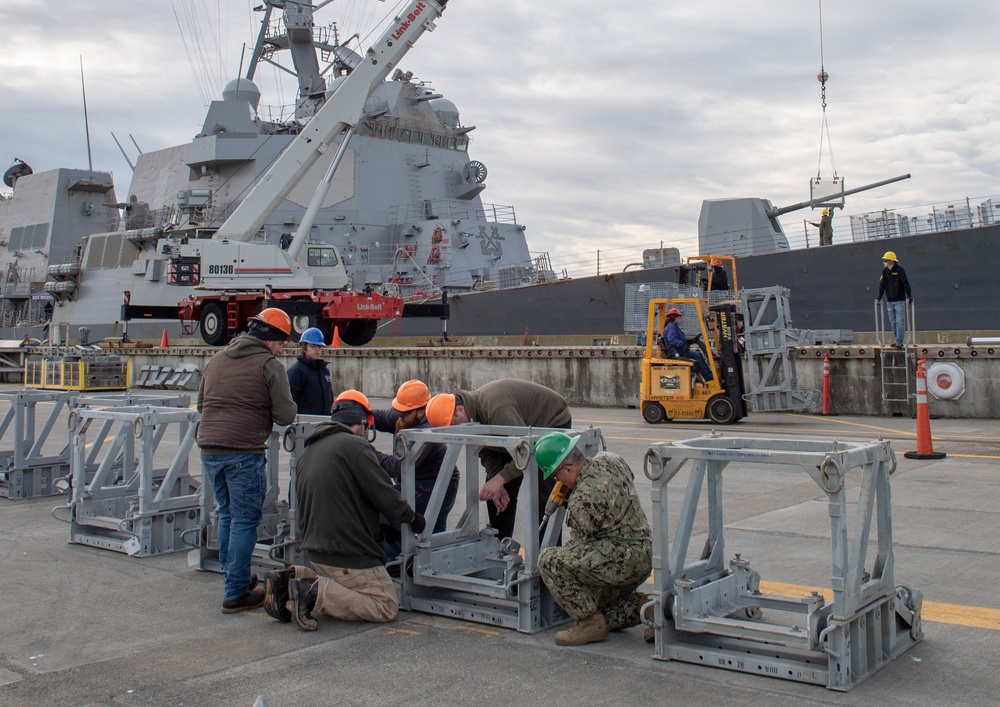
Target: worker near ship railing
{"points": [[609, 554], [407, 412], [506, 401], [309, 376], [342, 491], [825, 227], [674, 344], [243, 393], [717, 277], [896, 289]]}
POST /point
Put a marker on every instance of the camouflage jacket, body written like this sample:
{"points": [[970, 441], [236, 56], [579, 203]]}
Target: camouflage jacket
{"points": [[605, 506]]}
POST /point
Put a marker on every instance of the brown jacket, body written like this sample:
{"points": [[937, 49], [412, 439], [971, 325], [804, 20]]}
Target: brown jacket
{"points": [[243, 392]]}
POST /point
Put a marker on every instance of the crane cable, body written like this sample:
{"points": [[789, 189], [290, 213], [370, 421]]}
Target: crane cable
{"points": [[823, 77]]}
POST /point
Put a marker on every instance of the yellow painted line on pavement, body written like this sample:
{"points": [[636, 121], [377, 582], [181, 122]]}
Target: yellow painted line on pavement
{"points": [[935, 611]]}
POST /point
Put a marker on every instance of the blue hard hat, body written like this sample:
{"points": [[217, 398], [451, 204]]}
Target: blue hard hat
{"points": [[312, 335]]}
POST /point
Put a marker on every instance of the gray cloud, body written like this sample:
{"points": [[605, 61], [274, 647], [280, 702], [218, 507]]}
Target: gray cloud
{"points": [[604, 125]]}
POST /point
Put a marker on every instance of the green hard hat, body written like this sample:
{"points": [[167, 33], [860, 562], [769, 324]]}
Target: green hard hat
{"points": [[551, 450]]}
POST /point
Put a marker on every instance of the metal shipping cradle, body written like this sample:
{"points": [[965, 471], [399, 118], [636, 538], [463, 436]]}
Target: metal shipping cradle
{"points": [[31, 463], [135, 493], [467, 572], [712, 613]]}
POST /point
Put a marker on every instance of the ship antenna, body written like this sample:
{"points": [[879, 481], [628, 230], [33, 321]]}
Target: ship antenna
{"points": [[86, 120], [823, 77]]}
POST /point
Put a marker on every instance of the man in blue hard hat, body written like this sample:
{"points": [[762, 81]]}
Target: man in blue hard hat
{"points": [[309, 376], [609, 554]]}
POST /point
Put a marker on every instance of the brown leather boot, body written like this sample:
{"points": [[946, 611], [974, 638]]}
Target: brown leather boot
{"points": [[589, 630], [302, 593]]}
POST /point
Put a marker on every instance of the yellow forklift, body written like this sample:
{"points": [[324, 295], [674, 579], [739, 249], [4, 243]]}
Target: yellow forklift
{"points": [[670, 388]]}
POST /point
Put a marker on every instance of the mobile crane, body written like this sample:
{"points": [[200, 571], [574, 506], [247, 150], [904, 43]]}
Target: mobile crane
{"points": [[307, 280]]}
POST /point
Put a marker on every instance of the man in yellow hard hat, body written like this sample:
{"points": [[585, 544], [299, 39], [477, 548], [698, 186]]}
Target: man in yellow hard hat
{"points": [[407, 411], [894, 285], [243, 392], [825, 227], [594, 576]]}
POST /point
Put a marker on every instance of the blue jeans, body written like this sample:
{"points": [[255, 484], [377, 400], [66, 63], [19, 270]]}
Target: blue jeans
{"points": [[240, 483], [424, 489], [897, 318]]}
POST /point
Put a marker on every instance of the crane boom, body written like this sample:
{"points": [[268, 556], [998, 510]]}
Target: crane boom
{"points": [[340, 112]]}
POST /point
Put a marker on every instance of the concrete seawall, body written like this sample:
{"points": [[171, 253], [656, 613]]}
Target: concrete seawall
{"points": [[608, 376]]}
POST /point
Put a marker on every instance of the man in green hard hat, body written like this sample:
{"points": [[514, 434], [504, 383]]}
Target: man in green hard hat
{"points": [[594, 576]]}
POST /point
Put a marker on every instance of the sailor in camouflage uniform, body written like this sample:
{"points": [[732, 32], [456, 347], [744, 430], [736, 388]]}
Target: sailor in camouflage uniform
{"points": [[594, 576]]}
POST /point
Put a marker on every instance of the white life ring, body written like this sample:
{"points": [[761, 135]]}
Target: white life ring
{"points": [[945, 381]]}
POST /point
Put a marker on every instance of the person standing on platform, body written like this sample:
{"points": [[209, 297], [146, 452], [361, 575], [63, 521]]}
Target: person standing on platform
{"points": [[894, 286], [825, 227], [243, 393]]}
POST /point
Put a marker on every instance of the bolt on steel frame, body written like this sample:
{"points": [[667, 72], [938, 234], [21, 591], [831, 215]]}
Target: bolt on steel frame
{"points": [[708, 613], [467, 572]]}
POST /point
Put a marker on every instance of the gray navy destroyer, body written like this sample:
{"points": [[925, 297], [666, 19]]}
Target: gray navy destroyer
{"points": [[404, 212]]}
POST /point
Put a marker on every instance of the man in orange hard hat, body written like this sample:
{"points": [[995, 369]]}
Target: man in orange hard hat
{"points": [[342, 491], [243, 392], [408, 412], [506, 401]]}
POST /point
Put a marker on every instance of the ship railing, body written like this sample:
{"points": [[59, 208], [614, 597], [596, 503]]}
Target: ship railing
{"points": [[156, 218], [449, 209], [893, 223]]}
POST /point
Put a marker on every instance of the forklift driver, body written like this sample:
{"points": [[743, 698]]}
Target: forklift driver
{"points": [[673, 344]]}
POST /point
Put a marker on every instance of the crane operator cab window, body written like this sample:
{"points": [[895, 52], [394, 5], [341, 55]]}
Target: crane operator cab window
{"points": [[321, 257]]}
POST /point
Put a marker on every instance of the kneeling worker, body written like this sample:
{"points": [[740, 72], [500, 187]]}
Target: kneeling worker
{"points": [[341, 491], [594, 576]]}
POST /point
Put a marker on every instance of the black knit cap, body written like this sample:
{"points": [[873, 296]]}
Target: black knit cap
{"points": [[266, 332], [348, 412]]}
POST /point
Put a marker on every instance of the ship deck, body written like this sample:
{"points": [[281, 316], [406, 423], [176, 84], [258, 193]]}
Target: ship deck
{"points": [[87, 626]]}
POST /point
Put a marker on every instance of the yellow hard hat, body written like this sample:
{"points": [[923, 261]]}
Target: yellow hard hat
{"points": [[826, 212], [889, 255]]}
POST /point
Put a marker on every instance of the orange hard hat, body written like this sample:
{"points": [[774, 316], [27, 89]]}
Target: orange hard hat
{"points": [[673, 310], [356, 396], [716, 263], [411, 395], [440, 410], [274, 317]]}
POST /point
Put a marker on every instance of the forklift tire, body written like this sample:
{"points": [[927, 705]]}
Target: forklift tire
{"points": [[214, 325], [721, 410], [653, 413]]}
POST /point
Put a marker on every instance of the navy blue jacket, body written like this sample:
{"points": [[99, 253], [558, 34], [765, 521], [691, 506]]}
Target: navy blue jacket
{"points": [[310, 384], [893, 284]]}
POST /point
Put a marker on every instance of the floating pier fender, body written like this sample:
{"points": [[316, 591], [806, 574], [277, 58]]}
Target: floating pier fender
{"points": [[945, 380]]}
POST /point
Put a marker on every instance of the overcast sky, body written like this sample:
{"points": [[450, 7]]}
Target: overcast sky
{"points": [[604, 124]]}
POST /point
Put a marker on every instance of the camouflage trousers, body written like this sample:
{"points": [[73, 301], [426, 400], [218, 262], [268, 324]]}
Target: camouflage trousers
{"points": [[585, 578]]}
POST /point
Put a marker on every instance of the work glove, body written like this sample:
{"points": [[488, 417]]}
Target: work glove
{"points": [[418, 523]]}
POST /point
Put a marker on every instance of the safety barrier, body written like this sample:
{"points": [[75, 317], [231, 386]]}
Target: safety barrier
{"points": [[87, 371], [31, 462], [467, 572], [122, 498], [711, 613]]}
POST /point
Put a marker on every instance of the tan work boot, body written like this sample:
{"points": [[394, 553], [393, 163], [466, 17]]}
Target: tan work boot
{"points": [[589, 630]]}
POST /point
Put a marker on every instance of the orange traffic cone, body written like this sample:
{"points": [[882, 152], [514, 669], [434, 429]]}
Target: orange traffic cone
{"points": [[335, 343], [925, 447], [164, 344]]}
